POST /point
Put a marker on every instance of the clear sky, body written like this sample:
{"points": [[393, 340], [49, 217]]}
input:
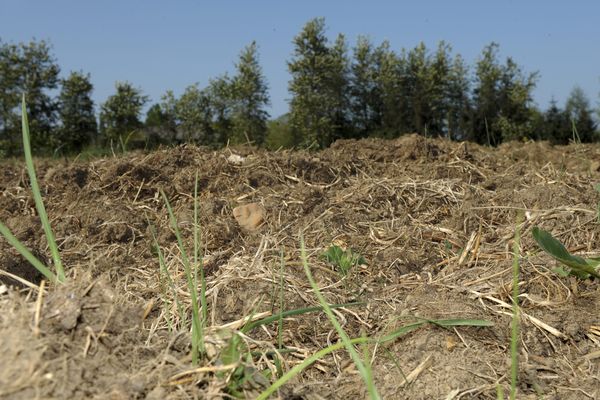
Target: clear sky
{"points": [[161, 45]]}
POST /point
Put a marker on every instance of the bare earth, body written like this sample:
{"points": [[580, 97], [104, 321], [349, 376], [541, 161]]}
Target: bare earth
{"points": [[435, 221]]}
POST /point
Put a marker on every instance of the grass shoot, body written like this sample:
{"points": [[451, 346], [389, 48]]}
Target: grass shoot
{"points": [[59, 276], [360, 364], [516, 317], [343, 260], [197, 331], [580, 267]]}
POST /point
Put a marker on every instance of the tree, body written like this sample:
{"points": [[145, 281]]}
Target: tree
{"points": [[418, 88], [459, 102], [31, 69], [76, 110], [515, 102], [250, 97], [155, 118], [392, 109], [502, 98], [10, 90], [279, 133], [120, 114], [340, 85], [364, 97], [556, 125], [318, 108], [486, 96], [194, 115], [580, 113], [221, 101], [439, 79], [161, 121]]}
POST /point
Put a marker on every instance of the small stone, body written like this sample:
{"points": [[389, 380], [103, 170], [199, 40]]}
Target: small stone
{"points": [[249, 216], [236, 159]]}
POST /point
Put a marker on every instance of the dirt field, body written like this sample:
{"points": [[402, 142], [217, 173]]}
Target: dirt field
{"points": [[434, 220]]}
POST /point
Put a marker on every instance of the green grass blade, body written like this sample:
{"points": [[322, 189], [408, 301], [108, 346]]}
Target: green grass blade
{"points": [[557, 250], [39, 203], [402, 331], [196, 327], [514, 337], [305, 364], [199, 264], [460, 322], [165, 272], [26, 253], [373, 394], [365, 340], [290, 313], [281, 302], [445, 323]]}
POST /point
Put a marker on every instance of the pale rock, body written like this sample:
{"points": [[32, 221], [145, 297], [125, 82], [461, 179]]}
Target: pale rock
{"points": [[249, 216], [236, 159]]}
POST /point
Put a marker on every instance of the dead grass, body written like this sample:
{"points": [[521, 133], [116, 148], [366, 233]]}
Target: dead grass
{"points": [[434, 220]]}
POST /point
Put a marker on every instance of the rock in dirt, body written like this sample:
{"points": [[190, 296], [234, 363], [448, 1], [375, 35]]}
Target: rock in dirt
{"points": [[236, 159], [249, 216]]}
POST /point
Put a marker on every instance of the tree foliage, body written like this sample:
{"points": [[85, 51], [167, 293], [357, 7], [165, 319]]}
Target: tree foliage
{"points": [[250, 97], [28, 68], [319, 104], [335, 93], [194, 115], [78, 126], [502, 99], [580, 114], [120, 114]]}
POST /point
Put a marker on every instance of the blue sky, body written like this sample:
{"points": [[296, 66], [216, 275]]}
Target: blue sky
{"points": [[160, 45]]}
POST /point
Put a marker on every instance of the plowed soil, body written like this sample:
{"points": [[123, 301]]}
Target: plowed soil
{"points": [[434, 220]]}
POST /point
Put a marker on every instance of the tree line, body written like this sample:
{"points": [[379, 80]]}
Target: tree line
{"points": [[370, 90]]}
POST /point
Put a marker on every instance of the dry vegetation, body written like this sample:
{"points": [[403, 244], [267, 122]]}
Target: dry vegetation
{"points": [[434, 220]]}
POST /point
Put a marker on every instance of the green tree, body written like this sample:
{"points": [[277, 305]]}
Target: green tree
{"points": [[155, 118], [161, 121], [515, 102], [486, 95], [439, 80], [250, 97], [194, 116], [28, 68], [392, 109], [10, 90], [279, 133], [459, 100], [418, 88], [120, 114], [76, 111], [364, 97], [340, 85], [580, 113], [556, 125], [503, 105], [221, 101], [318, 108]]}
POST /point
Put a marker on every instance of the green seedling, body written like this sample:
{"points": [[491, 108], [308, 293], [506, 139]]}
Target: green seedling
{"points": [[597, 187], [167, 280], [197, 325], [516, 318], [191, 273], [580, 267], [363, 370], [444, 323], [344, 260], [39, 205]]}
